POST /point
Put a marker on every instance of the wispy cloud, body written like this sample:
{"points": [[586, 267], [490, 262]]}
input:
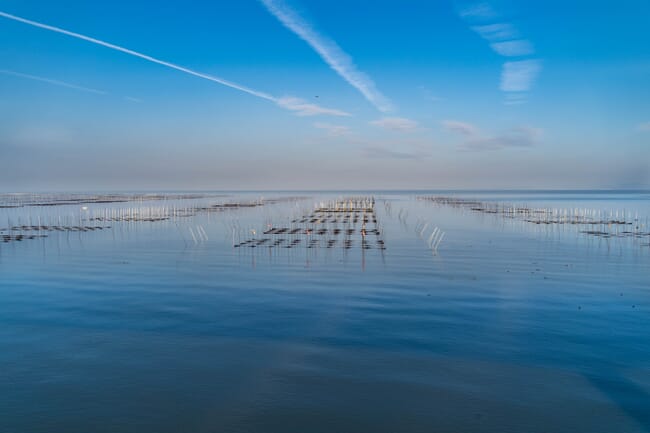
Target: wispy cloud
{"points": [[478, 11], [644, 126], [476, 140], [302, 108], [512, 138], [51, 81], [429, 95], [462, 128], [333, 130], [289, 103], [132, 99], [329, 51], [505, 40], [518, 76], [497, 31], [516, 48], [396, 124]]}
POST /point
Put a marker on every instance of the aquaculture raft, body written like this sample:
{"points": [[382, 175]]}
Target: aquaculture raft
{"points": [[344, 223]]}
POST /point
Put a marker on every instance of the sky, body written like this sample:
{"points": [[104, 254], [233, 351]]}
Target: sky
{"points": [[307, 94]]}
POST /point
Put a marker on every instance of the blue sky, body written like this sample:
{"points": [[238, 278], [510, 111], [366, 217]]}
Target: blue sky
{"points": [[300, 94]]}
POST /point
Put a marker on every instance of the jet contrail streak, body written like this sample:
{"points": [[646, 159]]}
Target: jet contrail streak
{"points": [[297, 105], [50, 81], [140, 55], [329, 51]]}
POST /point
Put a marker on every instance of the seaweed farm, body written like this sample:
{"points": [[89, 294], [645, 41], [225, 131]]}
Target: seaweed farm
{"points": [[422, 311], [84, 219], [29, 199], [342, 223], [595, 222]]}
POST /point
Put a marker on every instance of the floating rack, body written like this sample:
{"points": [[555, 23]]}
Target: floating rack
{"points": [[343, 223]]}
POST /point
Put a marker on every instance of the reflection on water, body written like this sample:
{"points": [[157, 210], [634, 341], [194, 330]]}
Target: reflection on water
{"points": [[323, 312]]}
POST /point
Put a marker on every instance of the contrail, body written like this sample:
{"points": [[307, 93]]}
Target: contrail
{"points": [[279, 101], [51, 81], [136, 54], [330, 52]]}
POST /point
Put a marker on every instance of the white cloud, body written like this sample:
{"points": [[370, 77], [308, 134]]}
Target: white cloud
{"points": [[478, 11], [476, 140], [396, 124], [333, 130], [519, 76], [297, 105], [505, 40], [462, 128], [330, 52], [519, 137], [303, 108], [644, 126], [519, 47], [496, 32]]}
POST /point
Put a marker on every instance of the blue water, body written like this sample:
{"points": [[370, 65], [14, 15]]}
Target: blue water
{"points": [[151, 327]]}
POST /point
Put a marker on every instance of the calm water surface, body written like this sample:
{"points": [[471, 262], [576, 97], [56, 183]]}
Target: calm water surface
{"points": [[165, 326]]}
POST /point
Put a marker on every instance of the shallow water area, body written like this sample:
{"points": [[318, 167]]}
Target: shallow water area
{"points": [[363, 311]]}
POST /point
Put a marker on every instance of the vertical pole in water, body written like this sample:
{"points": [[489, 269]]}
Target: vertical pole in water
{"points": [[442, 235]]}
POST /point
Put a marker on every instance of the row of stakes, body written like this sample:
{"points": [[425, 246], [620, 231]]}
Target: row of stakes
{"points": [[90, 220], [433, 239], [605, 224], [344, 212]]}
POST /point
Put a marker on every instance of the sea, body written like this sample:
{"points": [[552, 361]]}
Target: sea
{"points": [[329, 311]]}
